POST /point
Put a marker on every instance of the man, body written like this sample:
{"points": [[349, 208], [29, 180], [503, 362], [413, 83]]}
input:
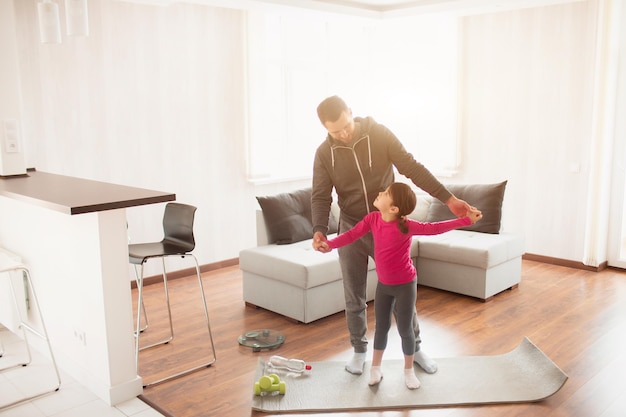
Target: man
{"points": [[357, 160]]}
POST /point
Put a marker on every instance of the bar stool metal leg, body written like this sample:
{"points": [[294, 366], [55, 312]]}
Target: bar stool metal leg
{"points": [[206, 315], [141, 303], [7, 265], [143, 307]]}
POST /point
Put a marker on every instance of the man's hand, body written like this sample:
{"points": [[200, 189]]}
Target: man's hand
{"points": [[319, 241], [474, 215], [324, 247], [458, 207]]}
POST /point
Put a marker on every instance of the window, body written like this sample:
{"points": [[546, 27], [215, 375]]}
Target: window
{"points": [[403, 72]]}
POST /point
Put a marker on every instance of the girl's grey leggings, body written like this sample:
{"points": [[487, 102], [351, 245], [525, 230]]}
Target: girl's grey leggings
{"points": [[403, 296]]}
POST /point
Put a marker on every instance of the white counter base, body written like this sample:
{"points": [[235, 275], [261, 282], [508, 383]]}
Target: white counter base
{"points": [[79, 265]]}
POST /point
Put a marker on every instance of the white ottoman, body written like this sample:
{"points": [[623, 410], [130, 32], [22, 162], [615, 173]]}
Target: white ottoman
{"points": [[471, 263], [296, 281]]}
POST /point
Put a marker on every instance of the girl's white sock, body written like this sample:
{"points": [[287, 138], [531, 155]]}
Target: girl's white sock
{"points": [[411, 379], [376, 375]]}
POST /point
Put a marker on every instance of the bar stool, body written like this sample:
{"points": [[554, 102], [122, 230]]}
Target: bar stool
{"points": [[178, 241], [10, 262]]}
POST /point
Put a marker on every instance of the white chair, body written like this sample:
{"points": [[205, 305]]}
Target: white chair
{"points": [[10, 262]]}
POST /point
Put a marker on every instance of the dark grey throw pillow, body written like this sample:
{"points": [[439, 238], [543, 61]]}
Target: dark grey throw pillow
{"points": [[487, 198], [288, 216]]}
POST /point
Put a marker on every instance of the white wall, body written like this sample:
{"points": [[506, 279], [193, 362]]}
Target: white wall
{"points": [[115, 106], [527, 119], [153, 98]]}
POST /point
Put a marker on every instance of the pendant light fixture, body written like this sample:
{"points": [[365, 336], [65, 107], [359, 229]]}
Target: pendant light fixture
{"points": [[49, 22], [76, 17]]}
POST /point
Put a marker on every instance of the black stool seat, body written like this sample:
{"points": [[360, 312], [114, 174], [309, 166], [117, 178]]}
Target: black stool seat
{"points": [[140, 252]]}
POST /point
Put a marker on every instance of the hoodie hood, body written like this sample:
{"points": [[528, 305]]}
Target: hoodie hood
{"points": [[362, 129]]}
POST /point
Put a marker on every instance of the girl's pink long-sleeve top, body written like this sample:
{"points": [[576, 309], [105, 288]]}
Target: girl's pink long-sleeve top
{"points": [[392, 247]]}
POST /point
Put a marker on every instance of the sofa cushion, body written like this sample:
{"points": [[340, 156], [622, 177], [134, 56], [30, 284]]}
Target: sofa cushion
{"points": [[481, 250], [297, 264], [487, 198], [288, 217]]}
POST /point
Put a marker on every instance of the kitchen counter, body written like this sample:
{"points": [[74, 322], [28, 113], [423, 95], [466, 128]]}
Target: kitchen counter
{"points": [[73, 195], [72, 234]]}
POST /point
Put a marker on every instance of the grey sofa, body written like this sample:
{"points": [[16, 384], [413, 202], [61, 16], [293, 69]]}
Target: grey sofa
{"points": [[285, 275]]}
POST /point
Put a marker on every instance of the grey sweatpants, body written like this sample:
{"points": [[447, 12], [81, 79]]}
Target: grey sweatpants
{"points": [[353, 259]]}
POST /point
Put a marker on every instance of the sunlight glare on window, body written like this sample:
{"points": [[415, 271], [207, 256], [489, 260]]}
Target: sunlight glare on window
{"points": [[402, 72]]}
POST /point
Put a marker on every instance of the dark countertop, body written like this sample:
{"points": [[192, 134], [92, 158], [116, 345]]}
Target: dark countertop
{"points": [[73, 195]]}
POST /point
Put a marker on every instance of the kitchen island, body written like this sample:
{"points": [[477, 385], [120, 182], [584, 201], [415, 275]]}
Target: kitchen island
{"points": [[72, 233]]}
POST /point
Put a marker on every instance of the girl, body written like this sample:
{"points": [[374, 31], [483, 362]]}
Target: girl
{"points": [[397, 277]]}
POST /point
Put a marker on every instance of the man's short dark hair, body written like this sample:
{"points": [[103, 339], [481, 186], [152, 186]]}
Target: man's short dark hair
{"points": [[330, 109]]}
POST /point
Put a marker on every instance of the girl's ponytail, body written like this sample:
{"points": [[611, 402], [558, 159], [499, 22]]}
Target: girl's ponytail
{"points": [[404, 198], [402, 224]]}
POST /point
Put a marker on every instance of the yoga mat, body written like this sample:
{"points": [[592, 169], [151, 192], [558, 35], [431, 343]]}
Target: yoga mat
{"points": [[525, 374]]}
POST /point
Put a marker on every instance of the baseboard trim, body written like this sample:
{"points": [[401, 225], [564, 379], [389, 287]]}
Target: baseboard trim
{"points": [[187, 272], [564, 262], [235, 261]]}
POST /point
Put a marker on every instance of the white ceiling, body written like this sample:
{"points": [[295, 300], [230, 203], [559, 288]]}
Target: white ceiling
{"points": [[375, 8], [388, 8]]}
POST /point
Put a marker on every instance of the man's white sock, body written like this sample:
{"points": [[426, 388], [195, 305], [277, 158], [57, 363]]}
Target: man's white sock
{"points": [[356, 364], [425, 362]]}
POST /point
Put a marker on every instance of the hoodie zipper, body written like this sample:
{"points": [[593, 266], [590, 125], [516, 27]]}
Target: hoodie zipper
{"points": [[358, 166]]}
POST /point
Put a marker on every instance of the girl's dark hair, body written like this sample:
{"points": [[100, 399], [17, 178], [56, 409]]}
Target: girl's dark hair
{"points": [[404, 198]]}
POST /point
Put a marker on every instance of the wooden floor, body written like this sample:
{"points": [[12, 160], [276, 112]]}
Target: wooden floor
{"points": [[578, 318]]}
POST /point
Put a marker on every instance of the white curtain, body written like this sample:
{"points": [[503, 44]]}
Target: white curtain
{"points": [[605, 98]]}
